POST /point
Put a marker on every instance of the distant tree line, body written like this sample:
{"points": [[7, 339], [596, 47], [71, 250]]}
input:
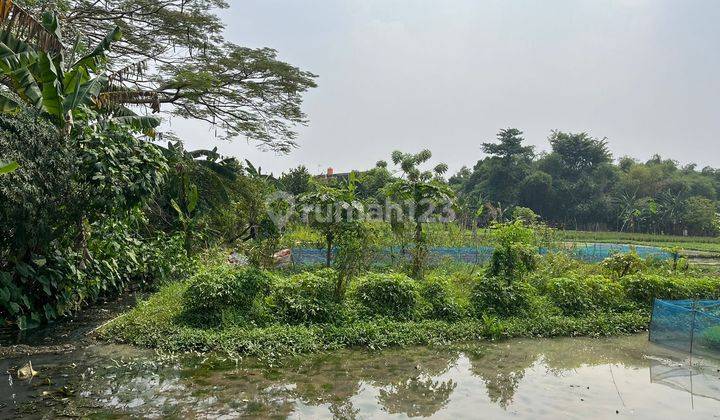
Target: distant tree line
{"points": [[576, 185]]}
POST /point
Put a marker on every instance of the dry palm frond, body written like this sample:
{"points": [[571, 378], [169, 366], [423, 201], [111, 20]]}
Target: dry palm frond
{"points": [[22, 25]]}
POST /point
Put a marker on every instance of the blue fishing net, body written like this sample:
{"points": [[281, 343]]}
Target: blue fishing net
{"points": [[482, 254], [691, 326]]}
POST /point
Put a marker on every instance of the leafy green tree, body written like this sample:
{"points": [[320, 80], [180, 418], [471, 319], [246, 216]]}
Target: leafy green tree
{"points": [[174, 58], [296, 181], [701, 216], [327, 208], [508, 164], [422, 192]]}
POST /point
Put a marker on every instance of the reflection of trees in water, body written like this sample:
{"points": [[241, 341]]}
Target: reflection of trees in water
{"points": [[336, 379], [503, 366], [502, 372], [418, 396]]}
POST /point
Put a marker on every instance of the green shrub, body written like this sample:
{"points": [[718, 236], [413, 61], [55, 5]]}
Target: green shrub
{"points": [[585, 294], [497, 296], [645, 288], [391, 295], [225, 287], [439, 300], [305, 298], [622, 264], [516, 250]]}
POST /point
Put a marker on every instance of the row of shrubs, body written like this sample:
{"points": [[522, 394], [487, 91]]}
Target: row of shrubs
{"points": [[251, 295]]}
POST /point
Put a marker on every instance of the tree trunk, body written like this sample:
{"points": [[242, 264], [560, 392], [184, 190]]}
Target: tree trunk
{"points": [[419, 255], [328, 253]]}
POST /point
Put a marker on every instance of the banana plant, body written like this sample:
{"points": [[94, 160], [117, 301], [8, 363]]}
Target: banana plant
{"points": [[36, 75]]}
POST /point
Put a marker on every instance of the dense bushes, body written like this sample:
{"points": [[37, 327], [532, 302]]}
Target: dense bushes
{"points": [[225, 287], [389, 294], [497, 296], [645, 287], [438, 300], [305, 297], [586, 294]]}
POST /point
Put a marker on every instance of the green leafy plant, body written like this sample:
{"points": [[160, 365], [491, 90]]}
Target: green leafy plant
{"points": [[436, 293], [6, 168], [622, 264], [515, 252], [496, 296], [224, 287], [390, 295], [427, 196], [305, 298], [586, 294]]}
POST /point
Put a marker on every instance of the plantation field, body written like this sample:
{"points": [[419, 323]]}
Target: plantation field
{"points": [[693, 243]]}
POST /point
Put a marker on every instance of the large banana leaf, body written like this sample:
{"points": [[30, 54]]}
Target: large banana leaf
{"points": [[26, 86], [138, 122], [52, 91], [84, 94], [93, 60], [74, 78], [12, 59], [9, 105]]}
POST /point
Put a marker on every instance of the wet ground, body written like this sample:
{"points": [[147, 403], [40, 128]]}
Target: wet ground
{"points": [[541, 378]]}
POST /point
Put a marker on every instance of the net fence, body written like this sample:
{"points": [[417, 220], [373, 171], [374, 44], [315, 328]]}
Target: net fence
{"points": [[482, 254], [691, 326]]}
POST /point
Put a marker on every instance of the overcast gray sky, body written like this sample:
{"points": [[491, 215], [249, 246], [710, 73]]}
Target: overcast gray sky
{"points": [[446, 75]]}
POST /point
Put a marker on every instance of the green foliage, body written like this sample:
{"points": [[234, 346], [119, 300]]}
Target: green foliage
{"points": [[37, 199], [6, 168], [645, 288], [389, 295], [426, 197], [153, 323], [305, 298], [224, 287], [495, 296], [437, 294], [622, 264], [356, 243], [586, 294], [117, 171], [525, 215], [515, 251]]}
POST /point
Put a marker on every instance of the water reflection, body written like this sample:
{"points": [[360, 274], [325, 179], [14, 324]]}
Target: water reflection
{"points": [[526, 378]]}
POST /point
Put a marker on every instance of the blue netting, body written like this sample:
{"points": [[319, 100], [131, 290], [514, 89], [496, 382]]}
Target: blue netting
{"points": [[687, 325], [482, 254]]}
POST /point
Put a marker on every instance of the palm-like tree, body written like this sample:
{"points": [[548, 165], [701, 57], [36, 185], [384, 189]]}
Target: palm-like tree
{"points": [[423, 190]]}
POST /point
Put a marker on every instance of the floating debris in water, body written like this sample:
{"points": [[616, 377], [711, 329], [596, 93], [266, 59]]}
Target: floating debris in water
{"points": [[26, 372]]}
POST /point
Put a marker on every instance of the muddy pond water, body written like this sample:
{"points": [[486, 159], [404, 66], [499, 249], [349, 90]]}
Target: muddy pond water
{"points": [[529, 378]]}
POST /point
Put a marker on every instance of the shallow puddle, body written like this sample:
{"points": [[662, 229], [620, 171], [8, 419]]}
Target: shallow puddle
{"points": [[530, 378]]}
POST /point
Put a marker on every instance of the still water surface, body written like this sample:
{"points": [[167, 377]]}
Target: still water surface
{"points": [[579, 378]]}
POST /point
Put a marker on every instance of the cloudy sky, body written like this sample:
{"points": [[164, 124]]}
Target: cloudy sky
{"points": [[446, 75]]}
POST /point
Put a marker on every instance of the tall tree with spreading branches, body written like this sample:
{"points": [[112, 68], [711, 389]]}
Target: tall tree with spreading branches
{"points": [[173, 59]]}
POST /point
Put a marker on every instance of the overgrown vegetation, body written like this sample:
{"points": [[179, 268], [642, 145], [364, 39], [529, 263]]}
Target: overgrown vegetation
{"points": [[521, 294]]}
